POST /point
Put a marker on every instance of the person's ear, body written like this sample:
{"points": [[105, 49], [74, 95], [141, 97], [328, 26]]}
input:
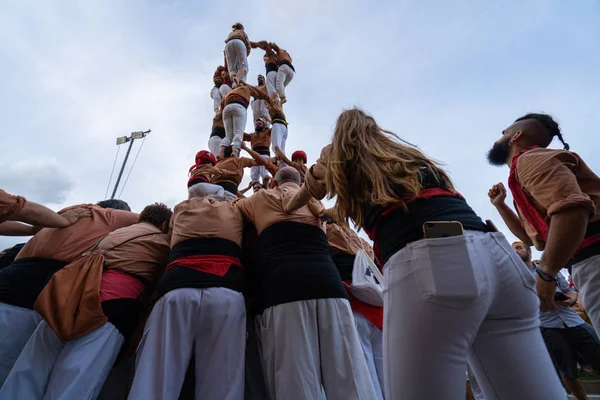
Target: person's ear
{"points": [[516, 137]]}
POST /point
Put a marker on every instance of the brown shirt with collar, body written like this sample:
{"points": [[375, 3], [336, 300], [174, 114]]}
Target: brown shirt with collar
{"points": [[243, 93], [235, 165], [554, 181], [10, 205], [314, 180], [343, 240], [259, 139], [241, 35]]}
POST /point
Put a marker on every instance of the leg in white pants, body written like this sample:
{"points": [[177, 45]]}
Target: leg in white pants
{"points": [[50, 369], [224, 89], [259, 109], [211, 323], [310, 343], [214, 144], [17, 324], [271, 83], [371, 340], [279, 134], [234, 119], [465, 295], [237, 58], [202, 189], [215, 94], [284, 76], [586, 277], [258, 173]]}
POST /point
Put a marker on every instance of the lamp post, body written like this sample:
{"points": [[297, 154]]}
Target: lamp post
{"points": [[124, 139]]}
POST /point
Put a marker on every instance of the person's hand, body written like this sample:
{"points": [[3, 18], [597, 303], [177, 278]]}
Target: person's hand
{"points": [[564, 303], [545, 291], [497, 194], [74, 214]]}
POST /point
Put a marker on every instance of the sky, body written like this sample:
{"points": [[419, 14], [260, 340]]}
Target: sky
{"points": [[446, 76]]}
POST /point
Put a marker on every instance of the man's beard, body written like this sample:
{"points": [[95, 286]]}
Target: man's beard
{"points": [[498, 154], [258, 128], [525, 258]]}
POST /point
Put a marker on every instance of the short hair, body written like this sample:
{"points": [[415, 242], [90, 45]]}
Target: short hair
{"points": [[287, 174], [115, 204], [522, 244], [228, 151], [237, 25], [548, 123], [156, 214]]}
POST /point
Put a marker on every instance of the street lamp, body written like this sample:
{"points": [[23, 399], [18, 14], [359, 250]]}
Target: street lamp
{"points": [[120, 141]]}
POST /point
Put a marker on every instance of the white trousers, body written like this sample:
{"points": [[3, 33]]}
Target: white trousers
{"points": [[259, 109], [285, 74], [271, 81], [371, 340], [202, 189], [16, 326], [50, 369], [586, 277], [234, 119], [312, 344], [224, 89], [279, 134], [237, 58], [215, 94], [209, 324], [462, 298], [258, 173], [214, 145]]}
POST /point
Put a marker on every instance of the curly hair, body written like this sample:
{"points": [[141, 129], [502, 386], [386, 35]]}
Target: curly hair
{"points": [[156, 214]]}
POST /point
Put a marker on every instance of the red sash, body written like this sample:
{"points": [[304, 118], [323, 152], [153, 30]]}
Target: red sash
{"points": [[210, 264]]}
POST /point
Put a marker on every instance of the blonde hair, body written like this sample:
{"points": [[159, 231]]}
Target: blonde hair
{"points": [[367, 167]]}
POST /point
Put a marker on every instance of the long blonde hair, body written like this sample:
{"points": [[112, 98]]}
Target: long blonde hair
{"points": [[366, 166]]}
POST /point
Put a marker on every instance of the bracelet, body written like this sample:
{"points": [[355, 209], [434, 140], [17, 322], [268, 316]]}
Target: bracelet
{"points": [[546, 277]]}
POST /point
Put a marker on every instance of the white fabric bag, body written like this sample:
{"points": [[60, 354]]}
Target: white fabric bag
{"points": [[367, 280]]}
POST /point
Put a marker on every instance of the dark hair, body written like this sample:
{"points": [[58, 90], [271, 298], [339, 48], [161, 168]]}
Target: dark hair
{"points": [[156, 214], [228, 151], [114, 204], [528, 247], [548, 123], [237, 25]]}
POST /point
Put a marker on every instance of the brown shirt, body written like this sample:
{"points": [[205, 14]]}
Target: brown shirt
{"points": [[241, 35], [275, 109], [367, 248], [145, 256], [283, 56], [343, 240], [234, 165], [314, 180], [205, 170], [10, 205], [258, 138], [218, 119], [556, 180], [206, 218], [243, 94], [66, 244], [266, 207]]}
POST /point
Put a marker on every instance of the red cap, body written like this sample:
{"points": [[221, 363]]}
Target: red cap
{"points": [[205, 157], [299, 154]]}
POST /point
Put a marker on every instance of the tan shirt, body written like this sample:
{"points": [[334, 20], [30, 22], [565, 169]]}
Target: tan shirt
{"points": [[67, 244], [556, 180], [145, 256], [314, 180], [343, 240], [234, 165], [206, 218], [275, 108], [265, 208], [259, 138], [243, 94], [10, 205], [218, 119], [240, 34]]}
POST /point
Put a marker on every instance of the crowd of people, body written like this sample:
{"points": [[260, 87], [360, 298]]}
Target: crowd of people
{"points": [[232, 297]]}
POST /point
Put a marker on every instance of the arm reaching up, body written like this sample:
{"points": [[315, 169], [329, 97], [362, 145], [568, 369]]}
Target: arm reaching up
{"points": [[497, 195]]}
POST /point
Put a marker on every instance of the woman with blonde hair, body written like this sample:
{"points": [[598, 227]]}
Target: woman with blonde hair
{"points": [[237, 50], [456, 292]]}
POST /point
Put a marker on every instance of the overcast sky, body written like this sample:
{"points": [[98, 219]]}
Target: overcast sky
{"points": [[448, 76]]}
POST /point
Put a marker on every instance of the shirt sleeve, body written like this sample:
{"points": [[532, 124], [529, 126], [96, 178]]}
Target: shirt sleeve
{"points": [[10, 205], [258, 93], [246, 206], [563, 285], [247, 162], [549, 178], [121, 219], [314, 180]]}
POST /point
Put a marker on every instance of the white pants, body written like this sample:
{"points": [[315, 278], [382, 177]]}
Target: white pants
{"points": [[285, 74], [259, 109], [307, 345], [202, 189], [271, 81], [258, 173], [50, 369], [457, 298], [209, 324], [586, 277], [214, 144], [234, 119], [279, 134], [224, 89], [16, 326], [237, 58], [371, 340], [215, 94]]}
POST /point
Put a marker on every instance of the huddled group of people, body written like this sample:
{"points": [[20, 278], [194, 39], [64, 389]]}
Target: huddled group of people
{"points": [[232, 297]]}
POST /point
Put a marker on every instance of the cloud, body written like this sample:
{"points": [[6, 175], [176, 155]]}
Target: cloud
{"points": [[42, 181]]}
